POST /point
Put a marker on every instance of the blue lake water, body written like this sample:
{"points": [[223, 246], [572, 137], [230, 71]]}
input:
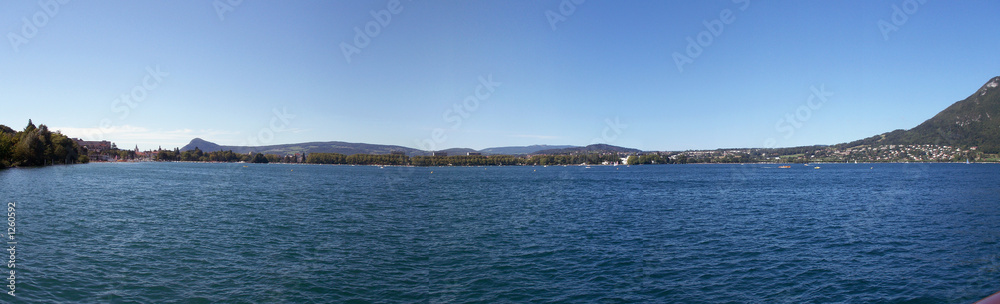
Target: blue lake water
{"points": [[191, 232]]}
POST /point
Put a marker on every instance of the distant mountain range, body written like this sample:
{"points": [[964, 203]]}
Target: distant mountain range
{"points": [[595, 148], [521, 150], [309, 147], [362, 148], [974, 121]]}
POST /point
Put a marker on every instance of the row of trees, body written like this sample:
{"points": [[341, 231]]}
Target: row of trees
{"points": [[393, 159], [37, 146], [575, 159], [648, 159], [756, 155], [459, 160], [217, 156], [468, 160]]}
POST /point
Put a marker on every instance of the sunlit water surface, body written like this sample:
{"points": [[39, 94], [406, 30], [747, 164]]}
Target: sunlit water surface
{"points": [[161, 232]]}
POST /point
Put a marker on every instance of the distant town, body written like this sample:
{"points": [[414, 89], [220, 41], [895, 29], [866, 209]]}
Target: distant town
{"points": [[886, 153], [38, 146]]}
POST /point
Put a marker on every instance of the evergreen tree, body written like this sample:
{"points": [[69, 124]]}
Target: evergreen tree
{"points": [[30, 127]]}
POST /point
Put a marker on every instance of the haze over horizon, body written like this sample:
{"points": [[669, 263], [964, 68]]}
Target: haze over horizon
{"points": [[435, 75]]}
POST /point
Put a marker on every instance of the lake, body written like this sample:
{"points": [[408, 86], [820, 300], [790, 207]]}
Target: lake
{"points": [[202, 233]]}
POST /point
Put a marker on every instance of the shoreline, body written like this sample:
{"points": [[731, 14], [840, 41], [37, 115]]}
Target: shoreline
{"points": [[533, 165]]}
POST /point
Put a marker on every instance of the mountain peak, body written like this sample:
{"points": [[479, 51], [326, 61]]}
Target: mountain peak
{"points": [[202, 145], [993, 83], [970, 122]]}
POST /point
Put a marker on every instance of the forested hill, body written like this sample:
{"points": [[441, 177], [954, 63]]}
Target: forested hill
{"points": [[974, 121], [522, 150], [595, 148], [345, 148]]}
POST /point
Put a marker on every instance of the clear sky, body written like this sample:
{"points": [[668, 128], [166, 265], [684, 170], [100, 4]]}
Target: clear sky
{"points": [[519, 72]]}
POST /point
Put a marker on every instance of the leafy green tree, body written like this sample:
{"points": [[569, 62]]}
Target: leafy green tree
{"points": [[36, 146], [326, 158], [28, 149], [272, 158], [167, 155], [7, 142], [259, 159], [44, 151], [63, 150]]}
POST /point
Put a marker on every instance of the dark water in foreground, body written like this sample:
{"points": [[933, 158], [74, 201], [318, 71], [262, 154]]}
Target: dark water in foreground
{"points": [[163, 232]]}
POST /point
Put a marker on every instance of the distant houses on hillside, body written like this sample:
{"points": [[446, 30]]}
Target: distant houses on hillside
{"points": [[95, 148], [108, 151], [96, 145]]}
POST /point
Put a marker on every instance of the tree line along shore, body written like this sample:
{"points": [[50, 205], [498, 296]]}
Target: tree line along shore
{"points": [[197, 155], [37, 146], [895, 154]]}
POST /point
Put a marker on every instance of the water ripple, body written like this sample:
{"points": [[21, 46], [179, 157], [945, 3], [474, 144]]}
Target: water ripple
{"points": [[204, 233]]}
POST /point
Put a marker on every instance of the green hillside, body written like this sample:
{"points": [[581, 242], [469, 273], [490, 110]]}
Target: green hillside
{"points": [[973, 122]]}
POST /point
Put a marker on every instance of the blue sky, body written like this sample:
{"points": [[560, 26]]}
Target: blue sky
{"points": [[269, 72]]}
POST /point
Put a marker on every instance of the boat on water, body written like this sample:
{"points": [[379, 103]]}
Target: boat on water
{"points": [[992, 299], [785, 167]]}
